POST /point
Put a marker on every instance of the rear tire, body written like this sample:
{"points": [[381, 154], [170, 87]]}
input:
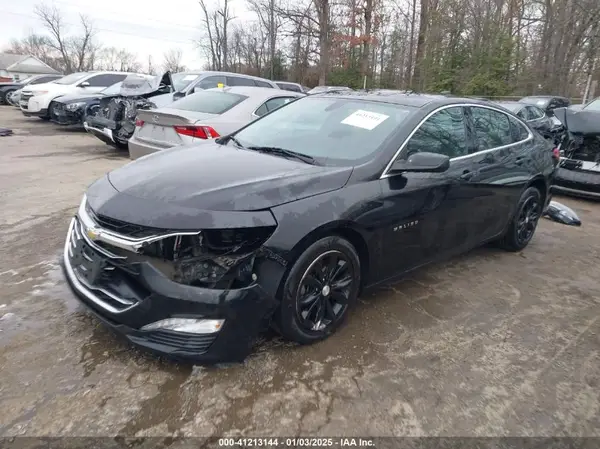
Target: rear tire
{"points": [[524, 223], [321, 286]]}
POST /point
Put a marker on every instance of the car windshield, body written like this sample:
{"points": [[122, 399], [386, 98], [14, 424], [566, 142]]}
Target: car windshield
{"points": [[26, 80], [332, 130], [210, 102], [72, 78], [182, 80], [593, 105], [113, 90]]}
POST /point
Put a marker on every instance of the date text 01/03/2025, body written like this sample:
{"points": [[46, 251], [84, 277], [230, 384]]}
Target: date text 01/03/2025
{"points": [[296, 442]]}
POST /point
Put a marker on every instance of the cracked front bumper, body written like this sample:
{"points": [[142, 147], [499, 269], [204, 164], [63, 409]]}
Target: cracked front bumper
{"points": [[127, 303]]}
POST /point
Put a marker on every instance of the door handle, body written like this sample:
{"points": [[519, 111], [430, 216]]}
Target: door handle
{"points": [[466, 175], [519, 160]]}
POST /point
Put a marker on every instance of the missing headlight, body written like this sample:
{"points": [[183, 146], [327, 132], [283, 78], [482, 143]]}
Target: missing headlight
{"points": [[215, 258]]}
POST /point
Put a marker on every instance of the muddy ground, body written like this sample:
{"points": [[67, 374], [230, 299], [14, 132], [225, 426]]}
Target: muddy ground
{"points": [[491, 343]]}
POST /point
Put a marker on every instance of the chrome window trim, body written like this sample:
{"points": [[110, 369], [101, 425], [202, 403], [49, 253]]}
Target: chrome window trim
{"points": [[272, 98], [121, 241], [385, 173]]}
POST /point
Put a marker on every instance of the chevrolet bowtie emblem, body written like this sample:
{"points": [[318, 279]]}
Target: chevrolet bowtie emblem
{"points": [[92, 233]]}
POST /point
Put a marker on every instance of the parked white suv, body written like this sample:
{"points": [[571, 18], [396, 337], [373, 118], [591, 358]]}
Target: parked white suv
{"points": [[37, 100]]}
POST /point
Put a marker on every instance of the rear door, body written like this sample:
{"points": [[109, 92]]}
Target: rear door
{"points": [[499, 155]]}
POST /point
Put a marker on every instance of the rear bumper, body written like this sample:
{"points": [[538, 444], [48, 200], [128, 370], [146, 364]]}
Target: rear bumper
{"points": [[138, 148], [246, 313]]}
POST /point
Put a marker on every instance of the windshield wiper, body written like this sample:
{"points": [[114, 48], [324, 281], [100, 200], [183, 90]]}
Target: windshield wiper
{"points": [[237, 142], [286, 153]]}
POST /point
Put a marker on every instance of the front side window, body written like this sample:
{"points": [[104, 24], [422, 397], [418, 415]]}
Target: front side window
{"points": [[444, 133], [182, 80], [211, 82], [491, 128], [209, 102], [332, 130], [240, 81]]}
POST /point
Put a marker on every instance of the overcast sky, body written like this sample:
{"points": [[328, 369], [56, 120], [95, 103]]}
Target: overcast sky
{"points": [[144, 27]]}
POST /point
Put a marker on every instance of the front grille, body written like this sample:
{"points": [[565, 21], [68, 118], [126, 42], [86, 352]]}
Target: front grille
{"points": [[102, 273], [196, 343], [121, 227]]}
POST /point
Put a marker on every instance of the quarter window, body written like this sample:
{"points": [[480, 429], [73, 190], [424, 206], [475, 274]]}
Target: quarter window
{"points": [[260, 83], [534, 113], [518, 131], [491, 128], [443, 133]]}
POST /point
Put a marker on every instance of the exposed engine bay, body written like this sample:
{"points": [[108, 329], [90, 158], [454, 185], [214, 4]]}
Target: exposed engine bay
{"points": [[113, 121], [580, 146]]}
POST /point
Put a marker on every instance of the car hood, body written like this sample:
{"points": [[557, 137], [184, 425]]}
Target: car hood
{"points": [[74, 98], [216, 177]]}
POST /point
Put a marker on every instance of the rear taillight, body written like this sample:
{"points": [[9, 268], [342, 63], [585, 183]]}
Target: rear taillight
{"points": [[139, 122], [200, 132], [556, 153]]}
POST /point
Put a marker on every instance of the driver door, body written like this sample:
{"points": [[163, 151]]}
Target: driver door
{"points": [[426, 215]]}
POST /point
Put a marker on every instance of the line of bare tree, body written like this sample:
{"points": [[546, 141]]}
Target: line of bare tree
{"points": [[474, 47], [477, 47]]}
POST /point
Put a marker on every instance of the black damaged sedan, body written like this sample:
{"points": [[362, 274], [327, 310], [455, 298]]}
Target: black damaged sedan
{"points": [[191, 252]]}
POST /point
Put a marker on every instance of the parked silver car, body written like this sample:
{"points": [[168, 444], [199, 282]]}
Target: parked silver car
{"points": [[202, 116]]}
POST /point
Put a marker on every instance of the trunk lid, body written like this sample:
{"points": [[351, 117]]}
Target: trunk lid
{"points": [[159, 126]]}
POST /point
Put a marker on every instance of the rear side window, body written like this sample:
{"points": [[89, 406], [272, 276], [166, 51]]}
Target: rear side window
{"points": [[260, 83], [444, 133], [491, 128], [211, 82], [272, 104], [210, 102], [534, 113], [239, 81]]}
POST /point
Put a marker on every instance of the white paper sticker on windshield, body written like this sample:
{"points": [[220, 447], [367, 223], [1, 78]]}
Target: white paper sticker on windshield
{"points": [[364, 119], [190, 77]]}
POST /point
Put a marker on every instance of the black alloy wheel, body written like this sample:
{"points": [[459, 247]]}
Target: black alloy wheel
{"points": [[522, 227], [527, 220], [324, 291], [320, 287]]}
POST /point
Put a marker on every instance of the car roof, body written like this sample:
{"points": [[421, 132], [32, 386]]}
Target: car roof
{"points": [[217, 72], [262, 92], [415, 100]]}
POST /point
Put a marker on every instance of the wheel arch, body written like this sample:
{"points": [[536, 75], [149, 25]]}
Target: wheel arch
{"points": [[343, 229], [540, 184]]}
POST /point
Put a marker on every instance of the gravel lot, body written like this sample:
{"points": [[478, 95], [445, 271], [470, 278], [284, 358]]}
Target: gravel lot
{"points": [[490, 343]]}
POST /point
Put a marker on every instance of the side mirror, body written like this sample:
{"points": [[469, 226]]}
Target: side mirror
{"points": [[422, 162], [84, 84], [198, 89], [178, 95]]}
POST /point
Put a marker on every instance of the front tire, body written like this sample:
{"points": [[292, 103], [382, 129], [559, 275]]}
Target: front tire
{"points": [[321, 286], [524, 223]]}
